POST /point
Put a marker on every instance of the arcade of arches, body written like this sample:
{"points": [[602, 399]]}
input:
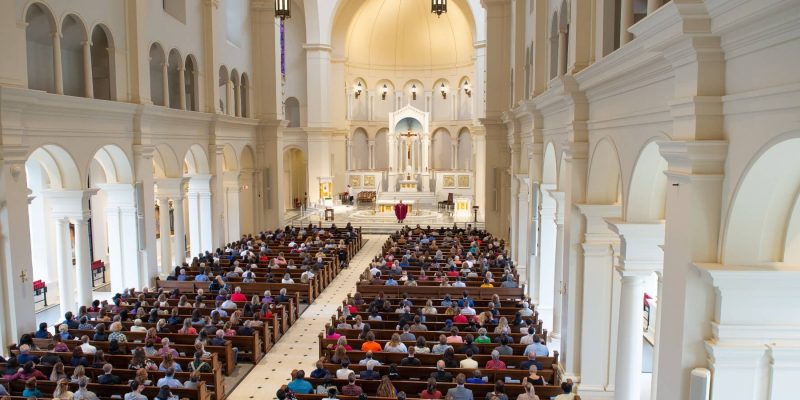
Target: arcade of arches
{"points": [[625, 150]]}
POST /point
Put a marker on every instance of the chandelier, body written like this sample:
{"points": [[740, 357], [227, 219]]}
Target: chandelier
{"points": [[439, 7], [283, 9]]}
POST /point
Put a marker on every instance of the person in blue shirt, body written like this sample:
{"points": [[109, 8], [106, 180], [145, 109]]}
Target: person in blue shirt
{"points": [[446, 302], [201, 277], [537, 348], [169, 380], [466, 300], [182, 276], [299, 384], [391, 281], [476, 377], [42, 333], [320, 372]]}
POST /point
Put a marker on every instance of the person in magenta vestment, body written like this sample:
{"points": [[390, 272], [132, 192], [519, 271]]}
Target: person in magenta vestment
{"points": [[400, 211]]}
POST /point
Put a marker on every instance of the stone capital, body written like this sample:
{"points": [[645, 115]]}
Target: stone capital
{"points": [[170, 187], [640, 245], [699, 157]]}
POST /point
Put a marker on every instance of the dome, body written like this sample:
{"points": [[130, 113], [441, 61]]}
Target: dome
{"points": [[404, 34]]}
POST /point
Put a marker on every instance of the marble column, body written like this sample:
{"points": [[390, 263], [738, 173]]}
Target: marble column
{"points": [[562, 51], [83, 263], [228, 97], [371, 147], [653, 5], [200, 214], [629, 339], [58, 77], [182, 87], [123, 241], [523, 228], [625, 21], [237, 101], [547, 253], [88, 83], [163, 231], [64, 264], [179, 246], [558, 281], [165, 79]]}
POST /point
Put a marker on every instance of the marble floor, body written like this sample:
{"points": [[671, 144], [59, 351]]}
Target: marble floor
{"points": [[298, 348]]}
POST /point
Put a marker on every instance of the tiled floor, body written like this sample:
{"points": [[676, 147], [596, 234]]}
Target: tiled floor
{"points": [[298, 349]]}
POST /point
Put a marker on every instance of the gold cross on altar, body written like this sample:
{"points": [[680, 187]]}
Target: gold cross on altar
{"points": [[23, 276]]}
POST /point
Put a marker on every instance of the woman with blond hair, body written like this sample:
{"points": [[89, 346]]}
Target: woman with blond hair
{"points": [[58, 372], [116, 333], [395, 345], [386, 389], [62, 391], [502, 325], [78, 373]]}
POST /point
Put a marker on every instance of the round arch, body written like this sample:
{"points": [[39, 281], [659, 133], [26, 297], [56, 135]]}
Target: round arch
{"points": [[442, 149], [359, 145], [114, 162], [647, 191], [763, 222], [295, 176], [550, 169], [229, 158], [61, 169], [196, 161], [165, 162], [604, 182]]}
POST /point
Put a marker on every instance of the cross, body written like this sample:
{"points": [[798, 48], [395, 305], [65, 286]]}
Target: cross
{"points": [[408, 135], [23, 276]]}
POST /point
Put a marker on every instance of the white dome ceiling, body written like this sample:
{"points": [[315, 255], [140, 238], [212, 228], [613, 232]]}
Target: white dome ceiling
{"points": [[404, 34]]}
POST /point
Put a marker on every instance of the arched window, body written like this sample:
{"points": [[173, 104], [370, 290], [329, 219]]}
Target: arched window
{"points": [[382, 149], [73, 35], [102, 64], [190, 82], [223, 87], [157, 60], [245, 96], [237, 103], [173, 77], [39, 46], [292, 111]]}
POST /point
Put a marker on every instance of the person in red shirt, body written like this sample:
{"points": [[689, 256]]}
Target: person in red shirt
{"points": [[459, 319], [495, 362], [237, 296], [431, 392]]}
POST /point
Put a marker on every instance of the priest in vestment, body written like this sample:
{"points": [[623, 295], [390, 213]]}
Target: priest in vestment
{"points": [[400, 211]]}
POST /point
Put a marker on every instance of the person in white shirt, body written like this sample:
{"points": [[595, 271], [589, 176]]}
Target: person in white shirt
{"points": [[526, 310], [86, 347], [467, 310], [287, 278], [137, 326], [344, 372], [528, 339]]}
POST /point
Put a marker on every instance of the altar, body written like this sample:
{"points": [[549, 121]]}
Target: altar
{"points": [[387, 206]]}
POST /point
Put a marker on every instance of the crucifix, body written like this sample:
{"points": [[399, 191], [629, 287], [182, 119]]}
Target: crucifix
{"points": [[23, 276], [409, 138]]}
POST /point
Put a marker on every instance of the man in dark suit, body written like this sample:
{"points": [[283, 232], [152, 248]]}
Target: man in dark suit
{"points": [[369, 373], [525, 365], [441, 375], [107, 378], [460, 392]]}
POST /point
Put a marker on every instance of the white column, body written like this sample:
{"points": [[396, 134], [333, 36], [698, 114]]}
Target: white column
{"points": [[58, 77], [547, 259], [237, 101], [653, 5], [163, 231], [629, 340], [228, 97], [83, 264], [87, 69], [182, 87], [349, 146], [523, 233], [232, 190], [562, 51], [558, 281], [426, 153], [200, 223], [165, 86], [179, 246], [371, 147], [64, 262], [534, 261], [625, 21], [641, 256], [657, 335], [16, 293], [598, 306], [123, 237]]}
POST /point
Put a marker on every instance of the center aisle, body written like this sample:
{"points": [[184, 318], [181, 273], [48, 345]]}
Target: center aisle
{"points": [[297, 349]]}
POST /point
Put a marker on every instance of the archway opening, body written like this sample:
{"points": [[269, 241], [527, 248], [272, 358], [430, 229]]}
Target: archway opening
{"points": [[39, 48], [102, 64], [73, 35], [157, 64]]}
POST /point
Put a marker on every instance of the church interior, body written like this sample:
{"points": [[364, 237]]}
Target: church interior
{"points": [[400, 199]]}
